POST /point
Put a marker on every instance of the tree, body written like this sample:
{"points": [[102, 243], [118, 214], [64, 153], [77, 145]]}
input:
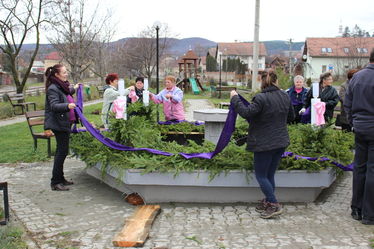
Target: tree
{"points": [[74, 34], [211, 64], [19, 20], [139, 55]]}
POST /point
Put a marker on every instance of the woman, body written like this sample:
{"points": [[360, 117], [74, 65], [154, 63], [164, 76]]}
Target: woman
{"points": [[327, 94], [171, 97], [343, 89], [297, 95], [137, 95], [110, 94], [59, 116], [268, 113]]}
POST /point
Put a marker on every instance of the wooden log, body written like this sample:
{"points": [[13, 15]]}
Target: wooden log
{"points": [[136, 229]]}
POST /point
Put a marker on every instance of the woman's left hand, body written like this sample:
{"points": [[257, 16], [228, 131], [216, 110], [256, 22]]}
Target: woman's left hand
{"points": [[77, 85], [233, 93]]}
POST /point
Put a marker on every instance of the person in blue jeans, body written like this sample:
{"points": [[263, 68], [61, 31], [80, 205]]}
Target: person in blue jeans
{"points": [[359, 106], [268, 114]]}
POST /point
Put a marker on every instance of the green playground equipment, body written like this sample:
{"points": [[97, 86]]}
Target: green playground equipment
{"points": [[195, 88]]}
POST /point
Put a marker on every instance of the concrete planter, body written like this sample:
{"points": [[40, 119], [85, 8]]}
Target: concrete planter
{"points": [[236, 186]]}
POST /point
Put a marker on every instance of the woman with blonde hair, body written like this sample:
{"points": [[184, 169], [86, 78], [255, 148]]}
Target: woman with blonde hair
{"points": [[269, 112]]}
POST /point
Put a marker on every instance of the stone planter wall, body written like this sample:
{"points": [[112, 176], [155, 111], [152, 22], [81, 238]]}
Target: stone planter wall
{"points": [[292, 186]]}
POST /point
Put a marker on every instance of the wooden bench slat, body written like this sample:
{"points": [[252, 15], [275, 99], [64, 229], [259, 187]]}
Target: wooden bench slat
{"points": [[137, 227], [33, 122]]}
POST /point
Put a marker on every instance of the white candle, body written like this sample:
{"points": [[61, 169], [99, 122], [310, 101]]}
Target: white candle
{"points": [[315, 89], [145, 84], [121, 87]]}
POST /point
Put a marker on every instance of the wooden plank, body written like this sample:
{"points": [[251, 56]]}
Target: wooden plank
{"points": [[137, 227]]}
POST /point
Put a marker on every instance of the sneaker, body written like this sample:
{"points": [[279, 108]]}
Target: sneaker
{"points": [[261, 206], [272, 209], [356, 214], [367, 222]]}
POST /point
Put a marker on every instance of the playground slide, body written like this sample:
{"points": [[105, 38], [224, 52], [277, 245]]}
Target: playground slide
{"points": [[193, 83]]}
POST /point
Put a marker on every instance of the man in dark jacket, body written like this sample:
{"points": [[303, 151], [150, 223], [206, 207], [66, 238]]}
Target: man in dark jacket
{"points": [[359, 105]]}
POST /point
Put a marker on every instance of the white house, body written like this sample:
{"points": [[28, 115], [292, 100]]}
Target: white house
{"points": [[241, 50], [337, 55]]}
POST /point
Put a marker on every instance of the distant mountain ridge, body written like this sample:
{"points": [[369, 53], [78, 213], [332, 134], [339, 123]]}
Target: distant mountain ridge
{"points": [[181, 46]]}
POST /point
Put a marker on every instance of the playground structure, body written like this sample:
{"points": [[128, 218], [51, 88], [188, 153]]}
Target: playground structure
{"points": [[188, 64]]}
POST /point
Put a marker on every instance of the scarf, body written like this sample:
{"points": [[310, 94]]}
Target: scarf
{"points": [[63, 84]]}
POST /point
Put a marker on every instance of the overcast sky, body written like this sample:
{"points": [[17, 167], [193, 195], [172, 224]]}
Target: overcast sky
{"points": [[227, 21]]}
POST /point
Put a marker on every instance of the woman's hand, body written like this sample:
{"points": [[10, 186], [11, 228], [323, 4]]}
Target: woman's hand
{"points": [[71, 105], [77, 85], [132, 88], [233, 93], [168, 96]]}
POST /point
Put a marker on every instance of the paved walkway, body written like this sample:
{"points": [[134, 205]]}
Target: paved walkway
{"points": [[196, 104], [91, 213]]}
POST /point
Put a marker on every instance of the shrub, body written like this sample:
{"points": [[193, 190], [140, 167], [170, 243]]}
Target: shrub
{"points": [[6, 111]]}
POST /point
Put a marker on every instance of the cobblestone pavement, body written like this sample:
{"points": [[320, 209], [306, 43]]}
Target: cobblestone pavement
{"points": [[91, 213]]}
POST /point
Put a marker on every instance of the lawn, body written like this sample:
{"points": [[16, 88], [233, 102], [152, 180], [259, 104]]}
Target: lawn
{"points": [[17, 144]]}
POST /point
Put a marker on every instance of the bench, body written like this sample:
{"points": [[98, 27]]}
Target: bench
{"points": [[4, 188], [223, 105], [18, 100], [100, 90], [36, 118]]}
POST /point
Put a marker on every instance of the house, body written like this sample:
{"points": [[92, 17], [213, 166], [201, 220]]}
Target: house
{"points": [[337, 55], [241, 50], [51, 59]]}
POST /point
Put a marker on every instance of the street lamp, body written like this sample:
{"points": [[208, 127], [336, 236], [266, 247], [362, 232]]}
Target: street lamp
{"points": [[220, 70], [157, 25]]}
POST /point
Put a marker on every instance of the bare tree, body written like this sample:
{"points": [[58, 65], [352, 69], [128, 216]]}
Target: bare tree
{"points": [[19, 19], [75, 34], [100, 55], [140, 53]]}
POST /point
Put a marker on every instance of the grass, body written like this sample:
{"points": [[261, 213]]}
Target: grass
{"points": [[18, 136], [11, 237]]}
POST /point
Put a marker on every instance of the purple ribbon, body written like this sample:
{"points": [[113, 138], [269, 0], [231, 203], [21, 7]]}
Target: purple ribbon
{"points": [[224, 138]]}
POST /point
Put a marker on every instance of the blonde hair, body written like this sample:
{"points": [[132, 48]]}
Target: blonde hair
{"points": [[171, 78]]}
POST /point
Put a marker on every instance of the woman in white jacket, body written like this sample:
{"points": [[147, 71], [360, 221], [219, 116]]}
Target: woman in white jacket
{"points": [[110, 94]]}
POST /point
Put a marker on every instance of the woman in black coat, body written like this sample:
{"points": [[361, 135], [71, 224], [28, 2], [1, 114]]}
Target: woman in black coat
{"points": [[327, 94], [268, 115], [59, 116]]}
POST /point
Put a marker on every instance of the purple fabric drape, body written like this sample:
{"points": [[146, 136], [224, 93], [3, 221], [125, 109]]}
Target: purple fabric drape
{"points": [[224, 138]]}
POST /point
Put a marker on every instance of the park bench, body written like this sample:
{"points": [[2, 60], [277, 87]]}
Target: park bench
{"points": [[100, 90], [18, 100], [36, 119], [4, 188]]}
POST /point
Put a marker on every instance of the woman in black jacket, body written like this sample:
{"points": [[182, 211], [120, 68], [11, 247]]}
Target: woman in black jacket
{"points": [[59, 115], [268, 115], [327, 94]]}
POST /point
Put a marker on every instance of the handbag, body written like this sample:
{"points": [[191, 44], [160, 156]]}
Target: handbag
{"points": [[338, 121]]}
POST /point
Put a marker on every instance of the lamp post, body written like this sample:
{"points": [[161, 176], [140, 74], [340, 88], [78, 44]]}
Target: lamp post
{"points": [[220, 70], [157, 27]]}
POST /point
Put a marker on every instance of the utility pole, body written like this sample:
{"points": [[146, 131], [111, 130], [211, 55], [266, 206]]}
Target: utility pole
{"points": [[255, 85], [220, 71], [290, 58]]}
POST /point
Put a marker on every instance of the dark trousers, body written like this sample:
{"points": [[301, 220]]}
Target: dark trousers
{"points": [[62, 150], [265, 165], [363, 177]]}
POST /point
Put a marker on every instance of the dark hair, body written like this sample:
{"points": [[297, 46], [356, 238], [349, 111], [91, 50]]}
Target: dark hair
{"points": [[110, 78], [268, 79], [51, 71], [351, 72], [324, 76], [371, 59], [139, 79]]}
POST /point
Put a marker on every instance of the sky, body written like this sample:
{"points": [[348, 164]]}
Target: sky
{"points": [[230, 21], [227, 21]]}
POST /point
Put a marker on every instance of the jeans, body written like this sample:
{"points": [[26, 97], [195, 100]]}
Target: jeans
{"points": [[363, 177], [265, 165], [62, 150]]}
